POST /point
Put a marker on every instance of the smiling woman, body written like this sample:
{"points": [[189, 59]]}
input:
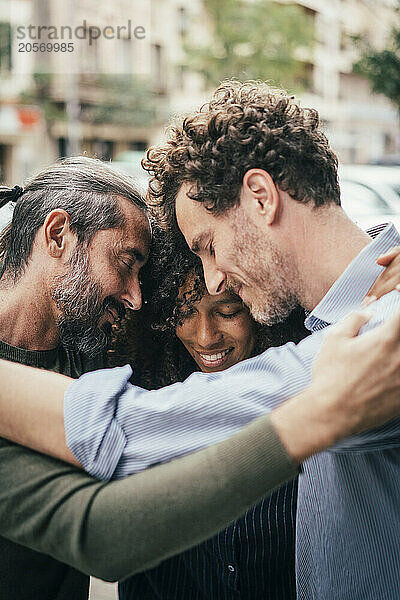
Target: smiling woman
{"points": [[217, 331], [181, 329]]}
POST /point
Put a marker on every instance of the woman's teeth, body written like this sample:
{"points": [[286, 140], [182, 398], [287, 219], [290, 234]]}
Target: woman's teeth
{"points": [[215, 357]]}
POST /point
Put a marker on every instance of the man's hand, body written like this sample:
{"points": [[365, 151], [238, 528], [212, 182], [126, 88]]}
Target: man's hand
{"points": [[355, 386], [389, 280]]}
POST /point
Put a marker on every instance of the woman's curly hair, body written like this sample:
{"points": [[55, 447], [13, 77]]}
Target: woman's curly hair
{"points": [[147, 339], [244, 126]]}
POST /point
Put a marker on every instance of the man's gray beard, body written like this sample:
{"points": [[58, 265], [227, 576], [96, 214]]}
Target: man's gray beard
{"points": [[79, 300], [275, 281]]}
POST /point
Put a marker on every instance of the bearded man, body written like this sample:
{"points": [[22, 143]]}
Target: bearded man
{"points": [[79, 235]]}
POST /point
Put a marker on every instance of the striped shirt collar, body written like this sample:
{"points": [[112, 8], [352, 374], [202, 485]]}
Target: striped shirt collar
{"points": [[348, 291]]}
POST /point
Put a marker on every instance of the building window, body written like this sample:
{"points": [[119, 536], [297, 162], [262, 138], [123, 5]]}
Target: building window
{"points": [[182, 22], [3, 162], [5, 47], [91, 62], [103, 149], [62, 147], [181, 71], [138, 145], [126, 50], [158, 69]]}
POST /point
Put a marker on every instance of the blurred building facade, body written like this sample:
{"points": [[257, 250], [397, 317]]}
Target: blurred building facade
{"points": [[94, 110], [361, 126]]}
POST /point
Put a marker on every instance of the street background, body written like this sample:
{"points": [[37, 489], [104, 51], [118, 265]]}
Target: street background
{"points": [[111, 98], [104, 78]]}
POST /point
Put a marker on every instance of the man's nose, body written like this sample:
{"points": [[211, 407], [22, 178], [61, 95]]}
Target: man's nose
{"points": [[132, 296], [208, 333], [215, 280]]}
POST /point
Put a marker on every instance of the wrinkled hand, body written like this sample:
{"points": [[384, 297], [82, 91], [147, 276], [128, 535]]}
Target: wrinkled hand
{"points": [[389, 280], [363, 373]]}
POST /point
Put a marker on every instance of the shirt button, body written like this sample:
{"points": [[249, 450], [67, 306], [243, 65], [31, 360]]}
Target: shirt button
{"points": [[231, 568]]}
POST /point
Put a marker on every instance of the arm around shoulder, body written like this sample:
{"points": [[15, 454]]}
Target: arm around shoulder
{"points": [[113, 530]]}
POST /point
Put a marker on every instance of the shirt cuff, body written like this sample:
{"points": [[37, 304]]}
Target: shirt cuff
{"points": [[92, 431]]}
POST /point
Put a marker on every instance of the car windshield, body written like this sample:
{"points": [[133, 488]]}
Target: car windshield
{"points": [[358, 199], [6, 215], [396, 187]]}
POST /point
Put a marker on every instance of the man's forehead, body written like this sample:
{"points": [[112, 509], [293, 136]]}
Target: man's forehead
{"points": [[137, 244], [136, 232], [193, 219]]}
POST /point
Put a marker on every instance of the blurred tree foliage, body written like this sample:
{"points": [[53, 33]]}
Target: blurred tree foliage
{"points": [[125, 101], [254, 39], [40, 93], [122, 100], [381, 67]]}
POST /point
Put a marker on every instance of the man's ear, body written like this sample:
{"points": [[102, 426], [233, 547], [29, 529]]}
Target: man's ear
{"points": [[261, 194], [57, 233]]}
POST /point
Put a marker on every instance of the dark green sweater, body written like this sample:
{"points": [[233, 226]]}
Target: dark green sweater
{"points": [[26, 574], [113, 530]]}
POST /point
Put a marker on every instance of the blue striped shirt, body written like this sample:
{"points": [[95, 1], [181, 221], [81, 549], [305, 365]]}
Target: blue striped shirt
{"points": [[348, 525]]}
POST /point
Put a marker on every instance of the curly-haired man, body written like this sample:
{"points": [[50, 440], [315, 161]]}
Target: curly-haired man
{"points": [[251, 182]]}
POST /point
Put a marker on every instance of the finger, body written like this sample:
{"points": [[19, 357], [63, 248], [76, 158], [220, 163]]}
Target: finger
{"points": [[350, 326], [385, 340], [385, 259], [368, 300], [387, 331], [384, 286], [392, 325]]}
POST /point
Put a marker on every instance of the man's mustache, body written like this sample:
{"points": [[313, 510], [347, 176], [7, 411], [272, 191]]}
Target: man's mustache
{"points": [[118, 307]]}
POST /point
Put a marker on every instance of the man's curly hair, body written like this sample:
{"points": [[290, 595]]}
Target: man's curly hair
{"points": [[244, 126], [147, 339]]}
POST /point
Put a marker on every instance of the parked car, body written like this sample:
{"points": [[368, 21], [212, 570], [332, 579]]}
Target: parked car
{"points": [[385, 181], [129, 162], [6, 215], [371, 194], [388, 159]]}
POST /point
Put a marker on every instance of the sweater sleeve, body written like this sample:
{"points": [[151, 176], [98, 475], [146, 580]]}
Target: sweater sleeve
{"points": [[113, 530]]}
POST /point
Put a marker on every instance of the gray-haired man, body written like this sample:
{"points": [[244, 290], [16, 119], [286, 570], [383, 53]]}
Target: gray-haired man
{"points": [[71, 258]]}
